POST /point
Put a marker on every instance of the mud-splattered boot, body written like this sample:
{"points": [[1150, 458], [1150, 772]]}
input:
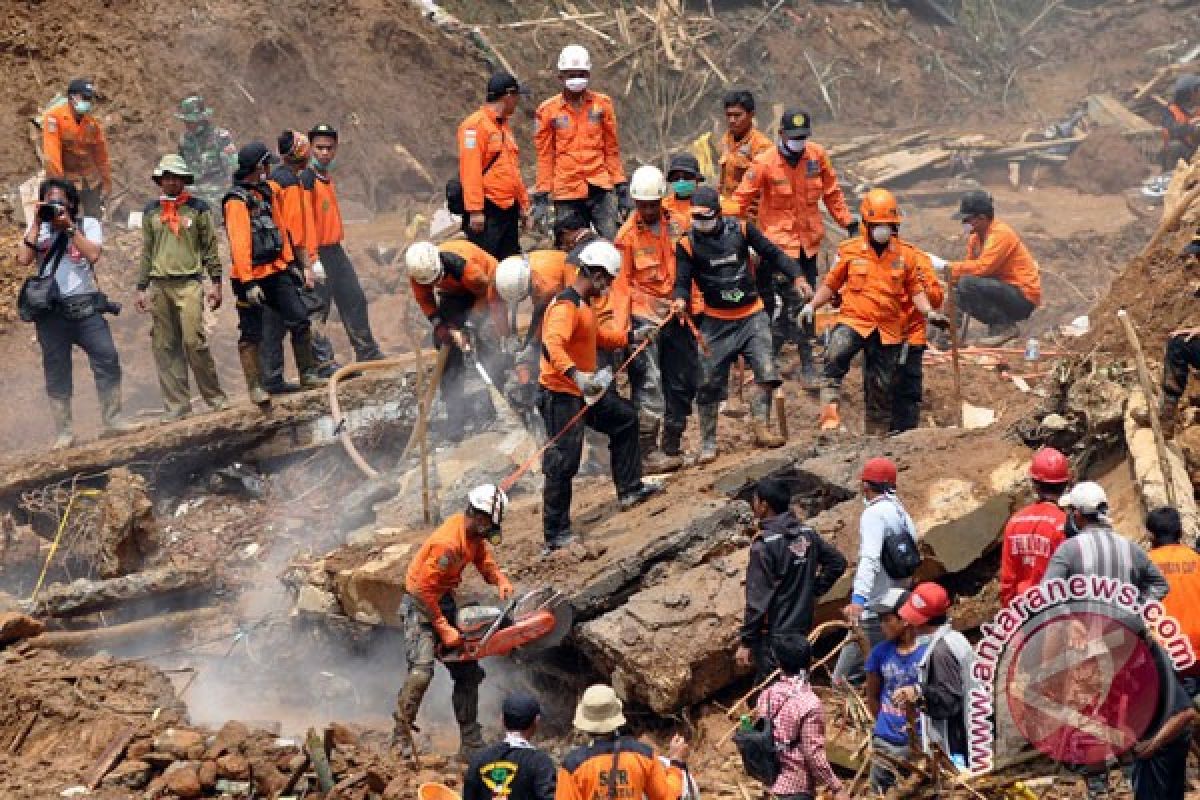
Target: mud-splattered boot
{"points": [[708, 433], [248, 354], [60, 408], [760, 414]]}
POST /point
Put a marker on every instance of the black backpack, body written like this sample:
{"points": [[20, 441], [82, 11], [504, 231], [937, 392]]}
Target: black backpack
{"points": [[759, 750], [899, 554], [266, 240]]}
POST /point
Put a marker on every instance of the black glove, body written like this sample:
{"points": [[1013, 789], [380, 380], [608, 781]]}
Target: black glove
{"points": [[624, 201], [853, 228], [540, 213]]}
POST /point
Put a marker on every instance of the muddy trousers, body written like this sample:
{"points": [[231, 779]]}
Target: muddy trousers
{"points": [[598, 208], [501, 234], [991, 301], [420, 650], [1182, 356], [783, 303], [727, 339], [57, 335], [612, 415], [341, 288], [908, 389], [879, 371], [664, 378], [270, 350], [281, 296], [178, 339]]}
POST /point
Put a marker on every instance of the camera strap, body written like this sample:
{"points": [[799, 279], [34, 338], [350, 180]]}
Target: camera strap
{"points": [[55, 254]]}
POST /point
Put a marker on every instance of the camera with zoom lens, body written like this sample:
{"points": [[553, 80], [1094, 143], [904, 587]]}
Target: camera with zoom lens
{"points": [[48, 212]]}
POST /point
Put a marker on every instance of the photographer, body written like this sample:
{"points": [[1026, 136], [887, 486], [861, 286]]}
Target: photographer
{"points": [[67, 246]]}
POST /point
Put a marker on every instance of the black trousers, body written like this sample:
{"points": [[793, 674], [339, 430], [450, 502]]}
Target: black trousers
{"points": [[907, 390], [991, 301], [341, 287], [57, 335], [778, 292], [599, 208], [727, 339], [679, 365], [1182, 356], [501, 230], [270, 350], [879, 369], [456, 310], [612, 415], [1163, 776], [282, 297]]}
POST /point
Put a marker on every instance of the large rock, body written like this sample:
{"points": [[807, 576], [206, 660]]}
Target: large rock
{"points": [[371, 593]]}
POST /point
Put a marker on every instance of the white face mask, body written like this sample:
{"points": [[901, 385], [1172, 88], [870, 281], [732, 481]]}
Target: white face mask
{"points": [[795, 145], [881, 234], [967, 229], [705, 225], [576, 84]]}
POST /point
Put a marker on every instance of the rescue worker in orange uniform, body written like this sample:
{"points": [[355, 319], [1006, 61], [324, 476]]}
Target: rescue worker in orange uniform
{"points": [[665, 375], [683, 176], [429, 612], [294, 202], [260, 254], [714, 257], [340, 286], [788, 183], [1000, 282], [616, 766], [74, 147], [453, 285], [742, 143], [909, 388], [489, 168], [1181, 122], [1180, 565], [578, 152], [571, 381], [1033, 534], [877, 274]]}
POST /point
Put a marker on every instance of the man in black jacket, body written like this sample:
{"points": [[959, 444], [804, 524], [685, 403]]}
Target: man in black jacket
{"points": [[714, 256], [513, 768], [790, 567]]}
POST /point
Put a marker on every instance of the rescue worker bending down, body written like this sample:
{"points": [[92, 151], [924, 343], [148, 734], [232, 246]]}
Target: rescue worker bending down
{"points": [[663, 377], [260, 255], [74, 147], [616, 766], [578, 152], [1181, 122], [787, 184], [429, 612], [452, 283], [1181, 357], [570, 382], [876, 274], [714, 257]]}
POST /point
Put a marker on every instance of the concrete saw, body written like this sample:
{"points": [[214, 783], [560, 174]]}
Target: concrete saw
{"points": [[534, 621]]}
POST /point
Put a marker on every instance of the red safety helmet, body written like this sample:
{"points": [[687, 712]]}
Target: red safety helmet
{"points": [[1050, 466], [879, 470]]}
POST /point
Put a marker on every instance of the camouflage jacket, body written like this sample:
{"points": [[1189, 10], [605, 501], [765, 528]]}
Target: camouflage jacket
{"points": [[210, 154]]}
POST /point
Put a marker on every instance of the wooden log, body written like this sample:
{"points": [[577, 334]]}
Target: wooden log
{"points": [[84, 596], [125, 633], [109, 758]]}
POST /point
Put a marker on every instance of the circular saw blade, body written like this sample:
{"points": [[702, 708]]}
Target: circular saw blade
{"points": [[555, 602]]}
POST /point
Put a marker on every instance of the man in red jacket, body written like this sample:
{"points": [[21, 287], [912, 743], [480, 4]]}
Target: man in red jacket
{"points": [[1035, 532]]}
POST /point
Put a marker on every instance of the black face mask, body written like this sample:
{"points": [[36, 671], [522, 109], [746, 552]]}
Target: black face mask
{"points": [[1069, 526]]}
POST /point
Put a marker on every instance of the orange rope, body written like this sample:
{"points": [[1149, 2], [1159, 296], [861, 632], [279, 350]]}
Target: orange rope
{"points": [[516, 474]]}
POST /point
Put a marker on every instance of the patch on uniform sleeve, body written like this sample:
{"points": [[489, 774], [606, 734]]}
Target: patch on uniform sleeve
{"points": [[596, 115], [814, 168], [51, 124], [469, 138], [562, 122], [443, 562]]}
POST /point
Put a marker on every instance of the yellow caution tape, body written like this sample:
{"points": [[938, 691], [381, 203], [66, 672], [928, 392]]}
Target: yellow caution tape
{"points": [[62, 526]]}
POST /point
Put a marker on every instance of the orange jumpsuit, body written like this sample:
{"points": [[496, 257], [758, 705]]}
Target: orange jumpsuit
{"points": [[1002, 256], [296, 212], [237, 227], [585, 773], [438, 566], [571, 336], [577, 146], [484, 141], [477, 280], [736, 157], [1180, 565], [75, 149], [789, 198]]}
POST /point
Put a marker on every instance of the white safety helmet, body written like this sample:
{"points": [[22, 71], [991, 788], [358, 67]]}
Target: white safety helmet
{"points": [[601, 254], [574, 56], [512, 278], [648, 183], [488, 499], [424, 262]]}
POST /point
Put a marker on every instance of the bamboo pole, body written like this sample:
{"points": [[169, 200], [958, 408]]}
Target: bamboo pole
{"points": [[1160, 441]]}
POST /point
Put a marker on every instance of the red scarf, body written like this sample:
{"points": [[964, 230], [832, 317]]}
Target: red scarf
{"points": [[170, 210]]}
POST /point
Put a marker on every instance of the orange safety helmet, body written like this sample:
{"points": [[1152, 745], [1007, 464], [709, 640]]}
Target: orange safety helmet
{"points": [[1050, 466], [879, 207]]}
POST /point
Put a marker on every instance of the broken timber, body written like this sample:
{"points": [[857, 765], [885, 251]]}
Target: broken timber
{"points": [[83, 596]]}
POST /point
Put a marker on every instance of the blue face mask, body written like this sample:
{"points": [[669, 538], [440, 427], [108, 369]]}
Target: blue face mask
{"points": [[83, 106], [683, 188]]}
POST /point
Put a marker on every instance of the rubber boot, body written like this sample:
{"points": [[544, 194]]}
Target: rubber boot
{"points": [[465, 700], [408, 703], [306, 361], [110, 413], [760, 412], [1168, 412], [672, 441], [810, 379], [248, 353], [708, 433], [60, 408], [654, 460]]}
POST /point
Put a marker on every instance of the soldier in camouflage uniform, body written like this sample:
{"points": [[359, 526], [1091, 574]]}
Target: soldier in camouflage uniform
{"points": [[208, 151]]}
